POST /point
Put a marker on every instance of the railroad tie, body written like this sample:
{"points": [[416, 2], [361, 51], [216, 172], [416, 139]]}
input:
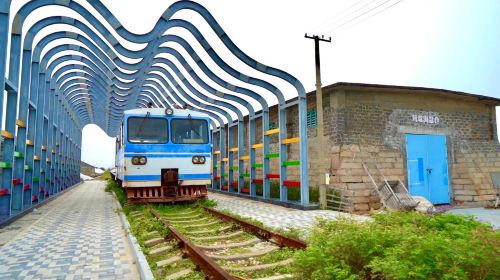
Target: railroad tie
{"points": [[259, 266], [218, 236], [150, 234], [181, 218], [168, 261], [135, 213], [201, 225], [174, 222], [276, 277], [179, 274], [222, 229], [154, 241], [228, 245], [243, 256], [180, 213], [159, 251]]}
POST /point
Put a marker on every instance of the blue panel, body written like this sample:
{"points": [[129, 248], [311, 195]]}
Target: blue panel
{"points": [[438, 170], [157, 177], [428, 167], [170, 148], [416, 154], [142, 177], [150, 155]]}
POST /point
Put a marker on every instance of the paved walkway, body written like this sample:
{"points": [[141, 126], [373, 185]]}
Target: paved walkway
{"points": [[273, 215], [76, 236], [491, 216]]}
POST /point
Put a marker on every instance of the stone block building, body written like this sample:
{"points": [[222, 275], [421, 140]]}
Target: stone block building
{"points": [[441, 144]]}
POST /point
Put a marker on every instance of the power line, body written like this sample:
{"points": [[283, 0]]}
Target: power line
{"points": [[335, 17], [378, 12], [340, 19], [366, 12]]}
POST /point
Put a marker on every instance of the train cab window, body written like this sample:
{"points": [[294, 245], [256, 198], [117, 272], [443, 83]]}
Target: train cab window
{"points": [[147, 130], [189, 131]]}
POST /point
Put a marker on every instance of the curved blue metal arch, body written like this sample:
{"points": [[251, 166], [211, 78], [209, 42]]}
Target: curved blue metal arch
{"points": [[56, 100]]}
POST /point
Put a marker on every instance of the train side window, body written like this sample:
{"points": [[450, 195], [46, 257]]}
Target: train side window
{"points": [[189, 131]]}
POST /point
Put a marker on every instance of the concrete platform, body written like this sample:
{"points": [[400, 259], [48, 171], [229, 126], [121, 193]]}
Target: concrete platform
{"points": [[78, 235], [491, 216], [274, 215]]}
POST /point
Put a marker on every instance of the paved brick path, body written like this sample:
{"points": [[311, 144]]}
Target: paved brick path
{"points": [[76, 236], [273, 215]]}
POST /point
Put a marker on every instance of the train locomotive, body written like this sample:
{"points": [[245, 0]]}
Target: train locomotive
{"points": [[163, 155]]}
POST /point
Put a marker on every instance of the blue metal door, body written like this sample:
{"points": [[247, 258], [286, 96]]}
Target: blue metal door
{"points": [[428, 167]]}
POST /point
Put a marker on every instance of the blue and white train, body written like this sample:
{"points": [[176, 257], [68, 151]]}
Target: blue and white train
{"points": [[163, 155]]}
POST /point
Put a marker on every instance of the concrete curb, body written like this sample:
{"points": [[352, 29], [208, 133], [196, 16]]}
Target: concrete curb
{"points": [[287, 204], [141, 262]]}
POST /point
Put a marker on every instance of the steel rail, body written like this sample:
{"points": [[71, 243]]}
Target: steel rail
{"points": [[211, 269], [266, 234]]}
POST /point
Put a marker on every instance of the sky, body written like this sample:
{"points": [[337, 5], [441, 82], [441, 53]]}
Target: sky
{"points": [[447, 44]]}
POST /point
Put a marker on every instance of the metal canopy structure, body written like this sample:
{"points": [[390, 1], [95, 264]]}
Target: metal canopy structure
{"points": [[51, 97]]}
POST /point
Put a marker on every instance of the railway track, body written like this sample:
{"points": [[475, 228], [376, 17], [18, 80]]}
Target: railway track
{"points": [[204, 243]]}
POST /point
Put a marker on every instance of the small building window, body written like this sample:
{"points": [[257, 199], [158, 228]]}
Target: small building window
{"points": [[312, 119]]}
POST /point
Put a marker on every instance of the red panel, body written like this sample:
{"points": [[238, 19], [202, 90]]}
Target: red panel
{"points": [[26, 187], [16, 181], [273, 176], [258, 181], [224, 188], [216, 178], [291, 183], [42, 190], [4, 192], [245, 190], [234, 184], [34, 198], [47, 194]]}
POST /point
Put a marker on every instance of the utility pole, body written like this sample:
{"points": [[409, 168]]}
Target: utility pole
{"points": [[319, 115]]}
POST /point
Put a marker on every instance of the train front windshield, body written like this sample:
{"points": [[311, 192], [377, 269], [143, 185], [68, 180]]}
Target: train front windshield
{"points": [[189, 131], [147, 130]]}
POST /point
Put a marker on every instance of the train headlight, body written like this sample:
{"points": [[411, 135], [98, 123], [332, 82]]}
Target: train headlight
{"points": [[169, 111], [139, 160], [195, 160], [135, 160], [198, 160]]}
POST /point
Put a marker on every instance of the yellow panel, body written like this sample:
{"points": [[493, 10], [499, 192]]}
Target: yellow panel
{"points": [[29, 142], [44, 148], [291, 140], [52, 151], [225, 159], [235, 149], [245, 158], [48, 159], [20, 123], [216, 152], [57, 144], [36, 157], [272, 131], [6, 134], [255, 146]]}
